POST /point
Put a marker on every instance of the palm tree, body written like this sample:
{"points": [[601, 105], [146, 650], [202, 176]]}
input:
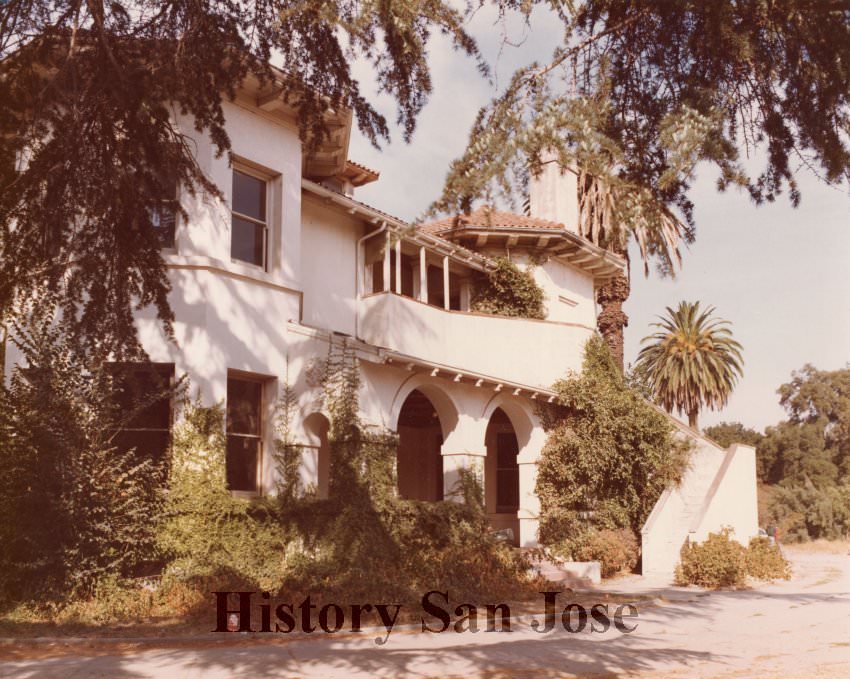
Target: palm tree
{"points": [[692, 362]]}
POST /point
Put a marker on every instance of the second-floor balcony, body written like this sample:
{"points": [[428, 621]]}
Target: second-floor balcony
{"points": [[517, 350]]}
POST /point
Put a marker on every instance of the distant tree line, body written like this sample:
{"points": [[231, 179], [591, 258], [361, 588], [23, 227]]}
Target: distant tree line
{"points": [[804, 461]]}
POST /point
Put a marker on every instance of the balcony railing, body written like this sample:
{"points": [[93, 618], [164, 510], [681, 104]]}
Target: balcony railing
{"points": [[522, 351]]}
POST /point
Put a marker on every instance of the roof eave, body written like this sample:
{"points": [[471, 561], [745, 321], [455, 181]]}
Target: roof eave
{"points": [[574, 249], [445, 247]]}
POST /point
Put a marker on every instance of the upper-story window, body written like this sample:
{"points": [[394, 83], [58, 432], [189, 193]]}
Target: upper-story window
{"points": [[249, 233], [164, 215], [164, 220]]}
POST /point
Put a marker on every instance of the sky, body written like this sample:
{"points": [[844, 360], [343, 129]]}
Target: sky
{"points": [[780, 275]]}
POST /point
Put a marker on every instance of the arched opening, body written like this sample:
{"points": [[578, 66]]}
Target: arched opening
{"points": [[318, 462], [420, 439], [501, 473]]}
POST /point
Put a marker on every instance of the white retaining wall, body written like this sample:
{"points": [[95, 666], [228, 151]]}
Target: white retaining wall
{"points": [[719, 489]]}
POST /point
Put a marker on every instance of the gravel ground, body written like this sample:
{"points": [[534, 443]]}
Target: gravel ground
{"points": [[798, 628]]}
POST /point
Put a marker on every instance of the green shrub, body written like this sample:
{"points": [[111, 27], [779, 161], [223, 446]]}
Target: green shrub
{"points": [[765, 560], [364, 542], [616, 550], [720, 561], [74, 509], [205, 531], [604, 441]]}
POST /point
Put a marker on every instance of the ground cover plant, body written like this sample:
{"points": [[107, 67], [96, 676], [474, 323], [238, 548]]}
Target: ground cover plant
{"points": [[363, 543]]}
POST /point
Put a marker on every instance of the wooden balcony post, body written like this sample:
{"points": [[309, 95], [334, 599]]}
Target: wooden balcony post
{"points": [[398, 266], [446, 282], [387, 263], [423, 276]]}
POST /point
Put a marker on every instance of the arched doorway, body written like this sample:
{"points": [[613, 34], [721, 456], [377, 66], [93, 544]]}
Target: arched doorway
{"points": [[319, 464], [420, 440], [501, 473]]}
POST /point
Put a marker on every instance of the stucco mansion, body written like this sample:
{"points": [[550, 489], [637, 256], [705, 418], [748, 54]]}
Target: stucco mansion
{"points": [[290, 261]]}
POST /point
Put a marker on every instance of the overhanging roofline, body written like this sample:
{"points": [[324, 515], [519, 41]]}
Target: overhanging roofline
{"points": [[575, 249], [445, 247]]}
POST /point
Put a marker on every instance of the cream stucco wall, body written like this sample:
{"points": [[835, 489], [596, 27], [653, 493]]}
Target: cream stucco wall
{"points": [[718, 490], [569, 292], [524, 351], [276, 324], [329, 277]]}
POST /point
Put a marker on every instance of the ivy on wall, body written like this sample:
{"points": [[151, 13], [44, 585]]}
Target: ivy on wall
{"points": [[365, 541], [608, 457], [507, 290], [205, 532]]}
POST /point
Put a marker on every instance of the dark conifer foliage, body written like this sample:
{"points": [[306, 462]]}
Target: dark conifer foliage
{"points": [[89, 149], [642, 91]]}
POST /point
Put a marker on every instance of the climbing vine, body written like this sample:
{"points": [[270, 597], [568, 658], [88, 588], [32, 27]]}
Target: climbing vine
{"points": [[366, 541], [507, 290], [608, 457]]}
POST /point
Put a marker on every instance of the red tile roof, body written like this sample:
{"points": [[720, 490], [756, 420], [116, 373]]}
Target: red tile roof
{"points": [[488, 218]]}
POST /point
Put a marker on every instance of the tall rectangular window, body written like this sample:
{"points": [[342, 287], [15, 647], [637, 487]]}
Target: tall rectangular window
{"points": [[249, 224], [143, 396], [244, 433]]}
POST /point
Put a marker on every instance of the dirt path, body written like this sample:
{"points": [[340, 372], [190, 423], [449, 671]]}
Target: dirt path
{"points": [[801, 627]]}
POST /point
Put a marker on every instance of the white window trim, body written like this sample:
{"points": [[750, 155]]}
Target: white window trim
{"points": [[272, 181], [262, 380]]}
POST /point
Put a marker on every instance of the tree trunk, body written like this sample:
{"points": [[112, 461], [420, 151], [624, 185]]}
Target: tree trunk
{"points": [[4, 335], [612, 319], [693, 417]]}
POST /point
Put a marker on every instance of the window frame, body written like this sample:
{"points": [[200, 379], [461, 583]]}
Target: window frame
{"points": [[163, 370], [267, 178], [170, 207], [261, 381]]}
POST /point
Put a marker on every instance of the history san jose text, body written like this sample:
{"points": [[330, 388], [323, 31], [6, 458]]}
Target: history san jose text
{"points": [[259, 612]]}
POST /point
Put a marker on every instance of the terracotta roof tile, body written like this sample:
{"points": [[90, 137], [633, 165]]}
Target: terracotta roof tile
{"points": [[488, 218], [362, 167], [358, 174]]}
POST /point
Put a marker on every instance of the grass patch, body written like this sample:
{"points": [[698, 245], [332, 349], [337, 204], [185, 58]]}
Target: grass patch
{"points": [[819, 547]]}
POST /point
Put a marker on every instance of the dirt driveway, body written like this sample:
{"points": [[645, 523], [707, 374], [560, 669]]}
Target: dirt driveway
{"points": [[796, 628]]}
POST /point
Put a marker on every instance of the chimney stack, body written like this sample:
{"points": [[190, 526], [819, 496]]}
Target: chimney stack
{"points": [[554, 194]]}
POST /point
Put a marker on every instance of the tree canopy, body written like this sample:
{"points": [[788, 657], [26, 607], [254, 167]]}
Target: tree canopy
{"points": [[692, 361], [806, 458], [813, 445], [89, 149], [640, 92], [727, 433]]}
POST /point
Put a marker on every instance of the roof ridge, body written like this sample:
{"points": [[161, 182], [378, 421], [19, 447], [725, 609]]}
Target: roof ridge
{"points": [[488, 216]]}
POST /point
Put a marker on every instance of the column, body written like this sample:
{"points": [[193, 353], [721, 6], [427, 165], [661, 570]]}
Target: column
{"points": [[529, 504], [446, 282], [463, 450], [465, 295], [423, 276], [398, 266], [387, 263]]}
